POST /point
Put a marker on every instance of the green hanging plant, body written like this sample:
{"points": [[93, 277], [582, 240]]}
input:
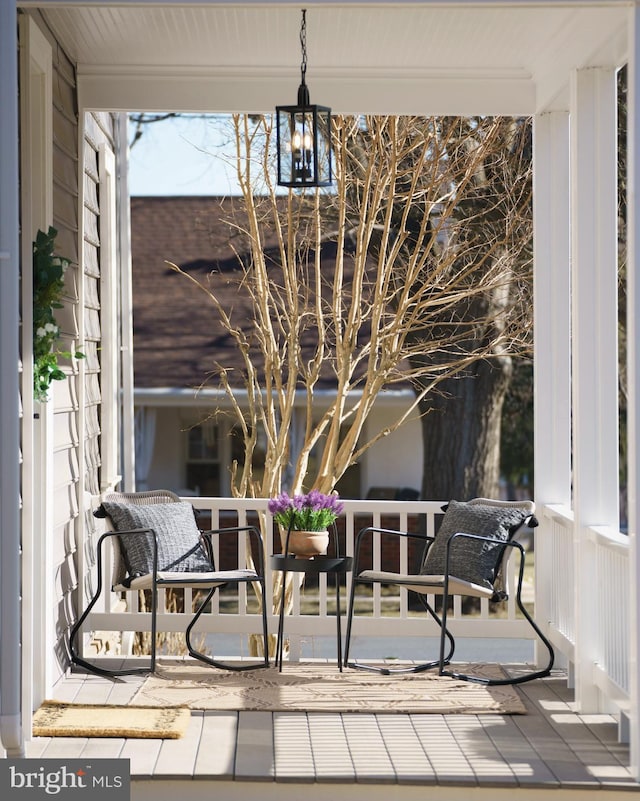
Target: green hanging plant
{"points": [[48, 285]]}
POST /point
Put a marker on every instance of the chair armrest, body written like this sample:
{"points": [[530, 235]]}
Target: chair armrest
{"points": [[428, 541], [120, 571], [252, 531]]}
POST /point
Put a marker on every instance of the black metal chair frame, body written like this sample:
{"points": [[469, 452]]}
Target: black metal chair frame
{"points": [[211, 580], [444, 659], [524, 677]]}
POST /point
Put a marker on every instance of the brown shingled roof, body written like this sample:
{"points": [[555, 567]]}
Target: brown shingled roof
{"points": [[177, 336], [174, 329]]}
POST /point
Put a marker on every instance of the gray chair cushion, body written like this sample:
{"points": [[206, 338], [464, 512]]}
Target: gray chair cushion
{"points": [[472, 560], [179, 546]]}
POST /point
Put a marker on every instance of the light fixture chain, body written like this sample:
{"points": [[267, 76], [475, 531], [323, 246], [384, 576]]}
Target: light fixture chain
{"points": [[303, 44], [303, 135]]}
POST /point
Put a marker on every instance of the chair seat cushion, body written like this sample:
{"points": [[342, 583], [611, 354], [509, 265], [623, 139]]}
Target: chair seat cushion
{"points": [[179, 541], [471, 560], [426, 585], [189, 579]]}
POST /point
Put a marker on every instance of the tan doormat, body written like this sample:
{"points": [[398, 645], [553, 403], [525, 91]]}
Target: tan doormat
{"points": [[60, 719], [320, 687]]}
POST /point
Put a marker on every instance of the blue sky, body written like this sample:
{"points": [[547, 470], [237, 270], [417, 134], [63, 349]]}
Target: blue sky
{"points": [[182, 156]]}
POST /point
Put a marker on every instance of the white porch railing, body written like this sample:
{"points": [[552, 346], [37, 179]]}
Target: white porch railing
{"points": [[557, 564], [398, 619], [612, 619], [608, 647], [390, 616]]}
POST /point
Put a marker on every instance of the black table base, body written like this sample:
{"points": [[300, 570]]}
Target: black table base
{"points": [[338, 565]]}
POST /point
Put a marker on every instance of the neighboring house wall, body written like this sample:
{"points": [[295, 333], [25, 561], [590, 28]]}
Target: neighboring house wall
{"points": [[394, 462], [168, 453]]}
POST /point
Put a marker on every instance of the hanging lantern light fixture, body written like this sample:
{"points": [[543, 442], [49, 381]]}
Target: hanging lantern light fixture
{"points": [[303, 135]]}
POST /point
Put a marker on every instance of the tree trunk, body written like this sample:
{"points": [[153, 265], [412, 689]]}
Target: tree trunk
{"points": [[461, 433]]}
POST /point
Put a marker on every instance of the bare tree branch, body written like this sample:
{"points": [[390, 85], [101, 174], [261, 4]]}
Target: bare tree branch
{"points": [[398, 277]]}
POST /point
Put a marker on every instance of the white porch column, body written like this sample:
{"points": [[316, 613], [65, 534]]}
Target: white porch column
{"points": [[633, 374], [594, 340], [552, 335], [552, 308]]}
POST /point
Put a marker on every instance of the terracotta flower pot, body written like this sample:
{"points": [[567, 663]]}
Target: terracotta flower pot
{"points": [[306, 544]]}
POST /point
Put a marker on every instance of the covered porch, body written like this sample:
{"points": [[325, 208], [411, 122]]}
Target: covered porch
{"points": [[555, 746], [554, 61]]}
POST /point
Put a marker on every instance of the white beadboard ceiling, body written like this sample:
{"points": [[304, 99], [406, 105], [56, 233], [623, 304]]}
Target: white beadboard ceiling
{"points": [[364, 53]]}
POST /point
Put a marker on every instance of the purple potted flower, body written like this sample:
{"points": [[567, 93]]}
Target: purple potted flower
{"points": [[304, 519]]}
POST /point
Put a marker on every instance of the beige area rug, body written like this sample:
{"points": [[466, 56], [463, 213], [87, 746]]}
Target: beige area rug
{"points": [[319, 687], [59, 719]]}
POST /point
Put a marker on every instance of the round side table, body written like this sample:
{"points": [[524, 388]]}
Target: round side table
{"points": [[288, 563]]}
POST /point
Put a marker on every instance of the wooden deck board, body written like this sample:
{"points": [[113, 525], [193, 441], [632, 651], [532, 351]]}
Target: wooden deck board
{"points": [[550, 747], [486, 761], [142, 756], [331, 753], [177, 758], [293, 750], [368, 749], [216, 757], [410, 762], [554, 751], [103, 748], [526, 765], [449, 761], [254, 748]]}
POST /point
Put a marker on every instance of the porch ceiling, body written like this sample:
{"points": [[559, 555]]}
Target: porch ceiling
{"points": [[403, 57]]}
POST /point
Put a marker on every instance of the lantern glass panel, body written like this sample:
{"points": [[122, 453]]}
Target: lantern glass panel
{"points": [[304, 152]]}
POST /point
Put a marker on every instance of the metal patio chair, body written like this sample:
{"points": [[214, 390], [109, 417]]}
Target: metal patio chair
{"points": [[464, 558], [157, 544]]}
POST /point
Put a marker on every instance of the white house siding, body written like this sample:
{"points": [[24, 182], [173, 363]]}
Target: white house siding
{"points": [[98, 135], [65, 440], [71, 445], [98, 131]]}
